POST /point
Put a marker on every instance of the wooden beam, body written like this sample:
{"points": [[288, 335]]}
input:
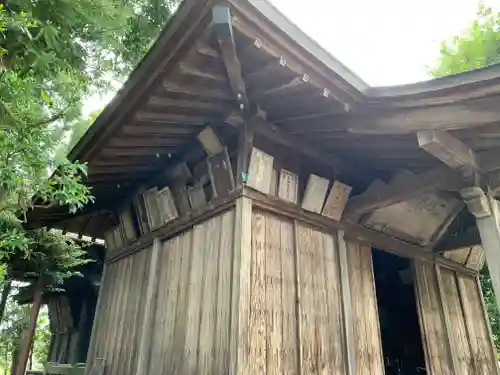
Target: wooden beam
{"points": [[352, 231], [442, 178], [450, 150], [224, 33], [194, 90], [292, 85], [171, 118], [189, 70], [161, 129], [245, 144], [153, 141], [160, 102]]}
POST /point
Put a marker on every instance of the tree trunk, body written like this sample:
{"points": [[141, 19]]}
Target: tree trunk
{"points": [[7, 284], [30, 331]]}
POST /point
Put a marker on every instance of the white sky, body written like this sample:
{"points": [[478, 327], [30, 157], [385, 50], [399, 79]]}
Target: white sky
{"points": [[385, 42]]}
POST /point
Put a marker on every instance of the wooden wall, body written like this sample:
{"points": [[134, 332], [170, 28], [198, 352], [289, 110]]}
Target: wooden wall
{"points": [[454, 326], [187, 302], [296, 322], [117, 324], [170, 309]]}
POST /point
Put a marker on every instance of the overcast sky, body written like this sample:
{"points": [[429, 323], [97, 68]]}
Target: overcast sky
{"points": [[385, 42]]}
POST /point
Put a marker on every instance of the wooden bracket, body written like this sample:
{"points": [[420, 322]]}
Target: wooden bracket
{"points": [[450, 150], [223, 29], [477, 201]]}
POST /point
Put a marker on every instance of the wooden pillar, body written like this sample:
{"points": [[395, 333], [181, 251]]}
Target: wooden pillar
{"points": [[245, 144], [30, 331], [149, 308], [487, 213]]}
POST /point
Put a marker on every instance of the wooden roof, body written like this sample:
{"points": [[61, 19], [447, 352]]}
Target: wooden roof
{"points": [[182, 85]]}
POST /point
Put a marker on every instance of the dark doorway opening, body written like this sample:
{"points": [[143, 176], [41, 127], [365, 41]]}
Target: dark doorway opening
{"points": [[399, 324]]}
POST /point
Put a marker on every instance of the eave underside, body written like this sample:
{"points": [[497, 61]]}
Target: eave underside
{"points": [[174, 95]]}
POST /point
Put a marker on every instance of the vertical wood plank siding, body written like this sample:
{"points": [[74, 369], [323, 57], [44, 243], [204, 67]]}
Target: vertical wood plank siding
{"points": [[364, 310], [285, 313], [116, 333], [248, 292], [455, 329]]}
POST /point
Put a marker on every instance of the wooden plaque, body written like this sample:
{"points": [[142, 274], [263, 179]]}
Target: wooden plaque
{"points": [[221, 174], [210, 142], [197, 197], [289, 186], [127, 222], [476, 258], [315, 194], [151, 201], [337, 199], [142, 215], [109, 240], [118, 235], [168, 210], [274, 183], [260, 171]]}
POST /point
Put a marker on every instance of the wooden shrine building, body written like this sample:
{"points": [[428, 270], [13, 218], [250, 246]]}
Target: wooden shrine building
{"points": [[265, 211]]}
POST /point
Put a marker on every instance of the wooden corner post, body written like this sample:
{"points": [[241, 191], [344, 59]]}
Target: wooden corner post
{"points": [[487, 214]]}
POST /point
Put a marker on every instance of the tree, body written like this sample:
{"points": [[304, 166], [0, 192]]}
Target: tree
{"points": [[52, 55], [477, 47]]}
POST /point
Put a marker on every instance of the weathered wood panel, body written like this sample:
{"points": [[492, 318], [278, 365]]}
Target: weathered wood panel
{"points": [[116, 330], [483, 358], [459, 341], [189, 323], [432, 324], [321, 332], [368, 356]]}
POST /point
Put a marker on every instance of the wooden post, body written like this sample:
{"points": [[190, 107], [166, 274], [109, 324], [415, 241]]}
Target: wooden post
{"points": [[347, 305], [245, 145], [487, 213], [30, 332], [149, 307]]}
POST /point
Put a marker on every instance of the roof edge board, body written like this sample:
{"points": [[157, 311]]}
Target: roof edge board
{"points": [[283, 23], [470, 77]]}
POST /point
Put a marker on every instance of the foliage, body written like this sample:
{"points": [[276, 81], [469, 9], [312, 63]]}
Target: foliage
{"points": [[491, 306], [477, 47], [52, 56], [11, 330]]}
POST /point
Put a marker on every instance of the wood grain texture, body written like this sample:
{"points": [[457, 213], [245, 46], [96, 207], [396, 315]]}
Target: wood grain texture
{"points": [[315, 193], [432, 324], [364, 310], [288, 187], [483, 359], [457, 331], [116, 333], [337, 200], [176, 321], [260, 171]]}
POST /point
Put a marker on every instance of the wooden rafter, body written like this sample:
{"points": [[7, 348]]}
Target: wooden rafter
{"points": [[336, 90], [161, 102], [187, 69], [445, 147], [441, 178], [194, 90], [224, 32], [171, 118], [294, 84]]}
